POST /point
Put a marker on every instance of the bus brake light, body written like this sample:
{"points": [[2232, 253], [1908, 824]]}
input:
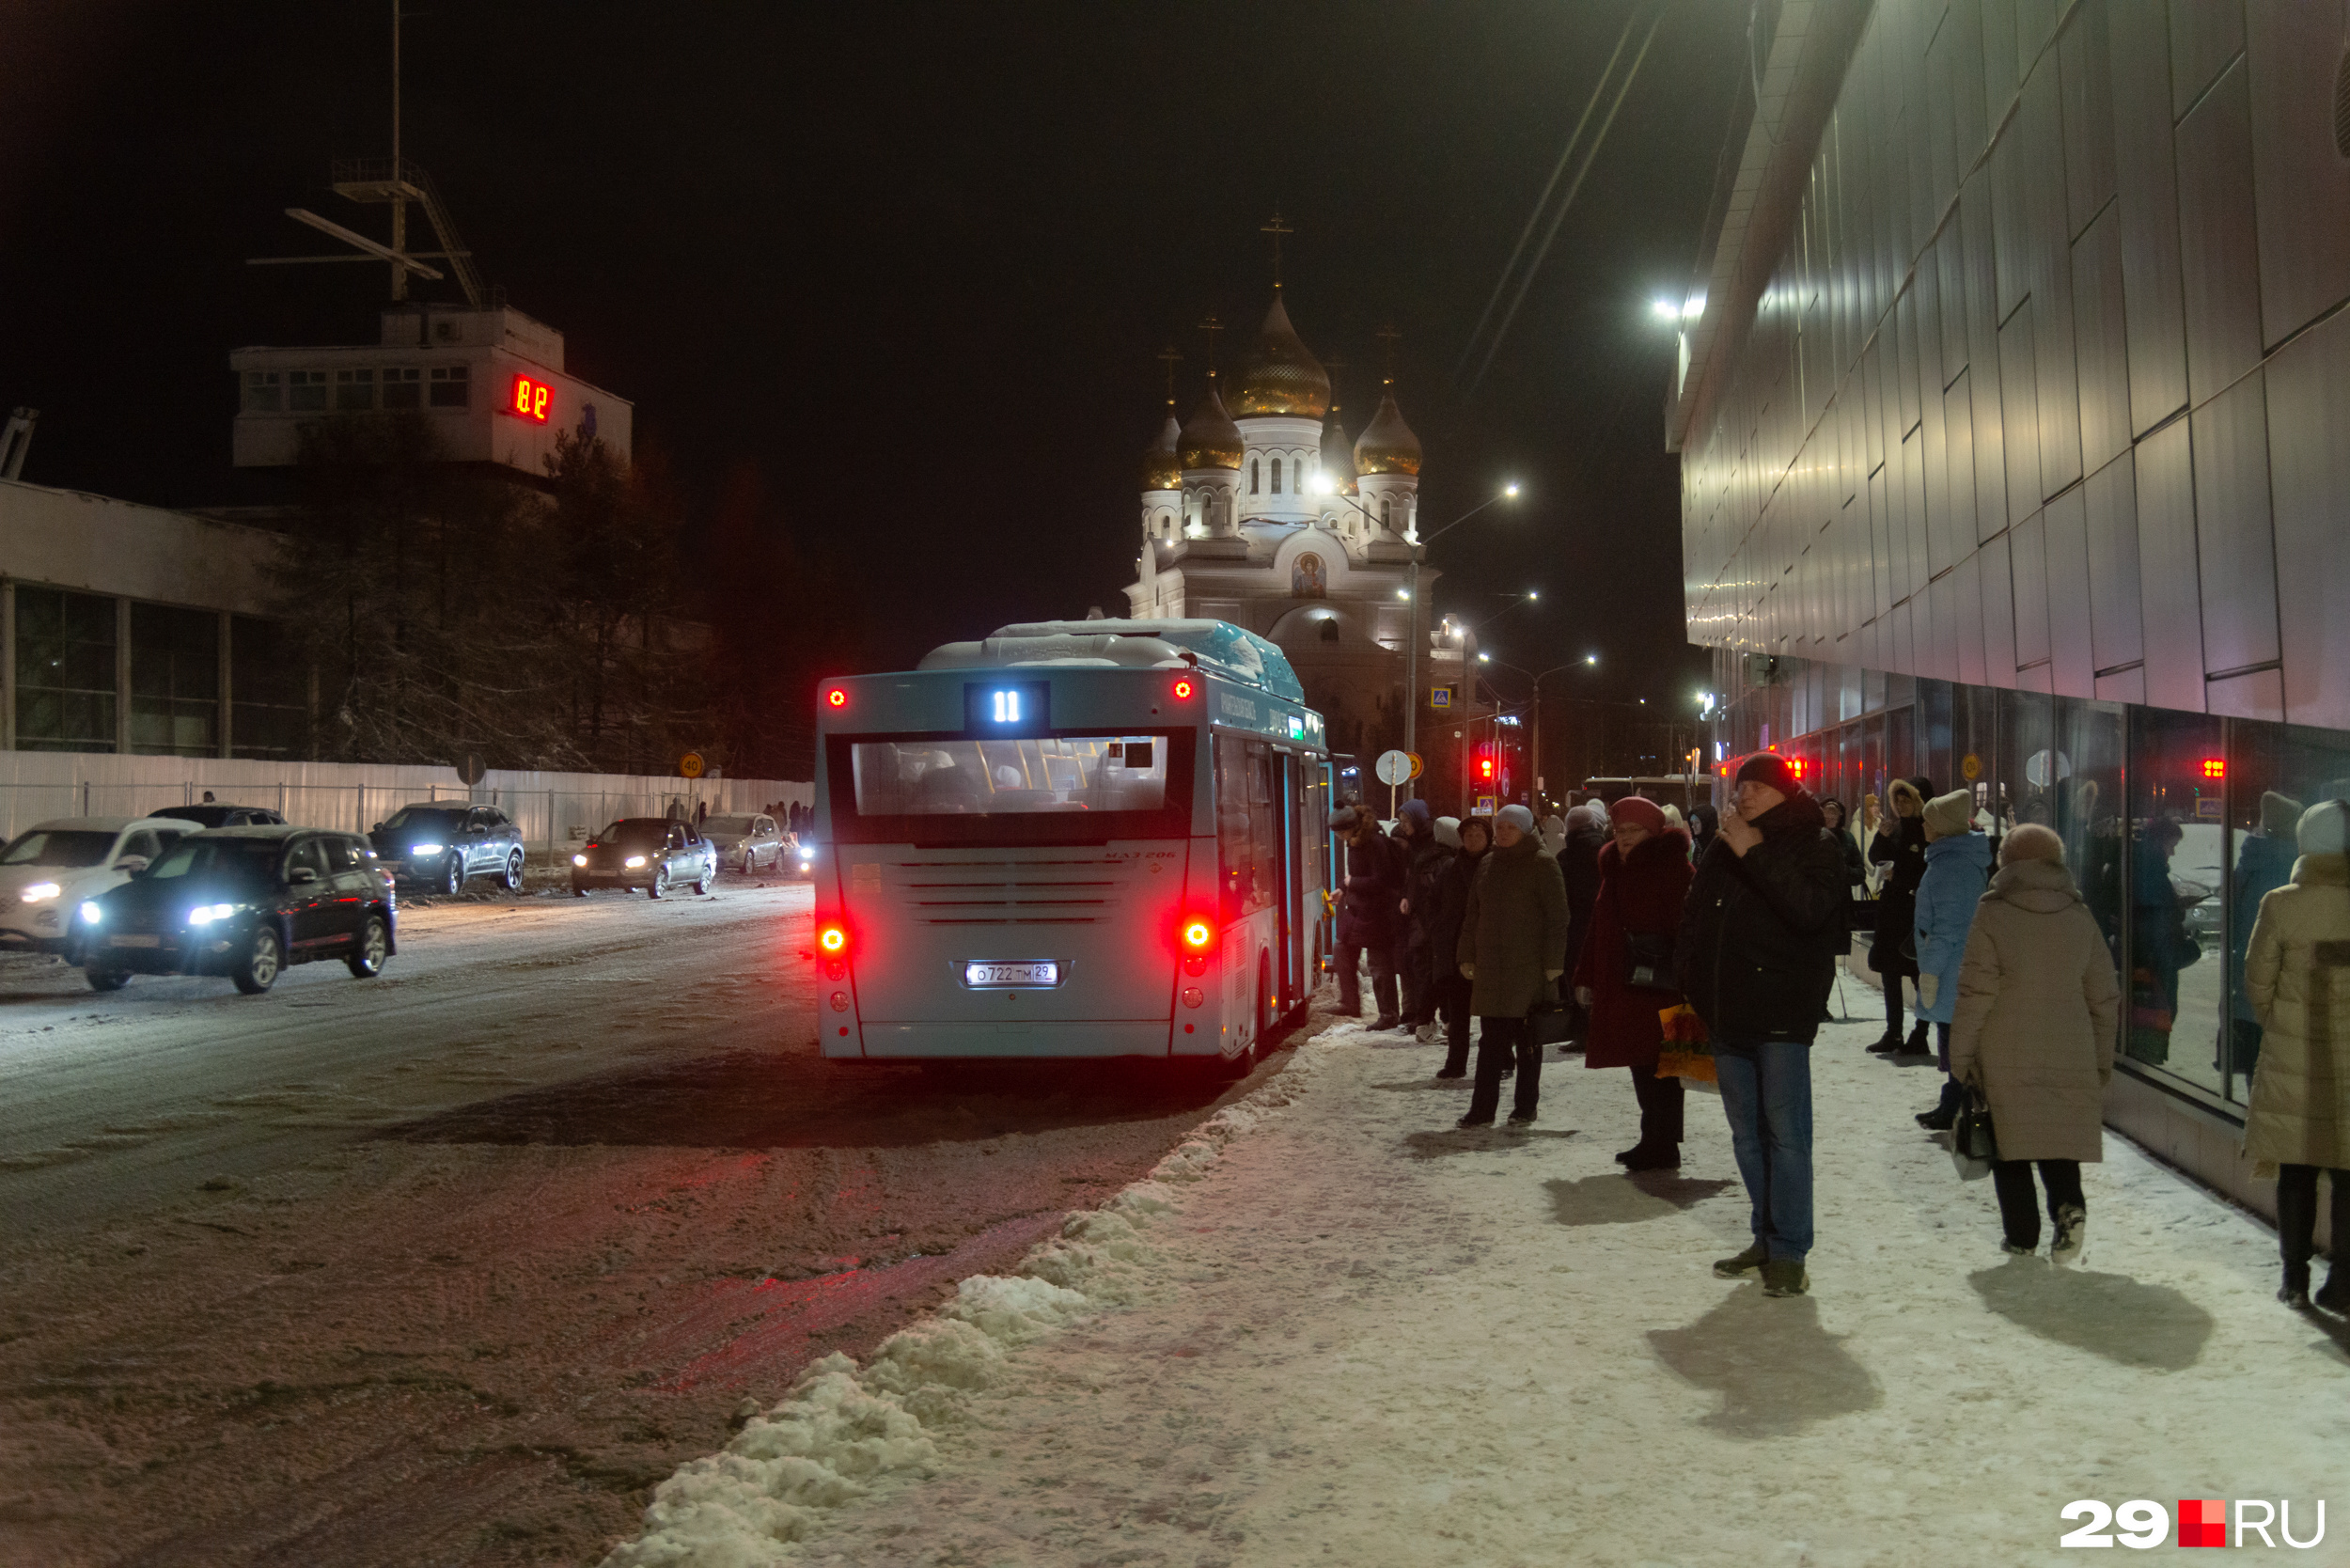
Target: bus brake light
{"points": [[1183, 690], [833, 939], [835, 696], [1197, 934]]}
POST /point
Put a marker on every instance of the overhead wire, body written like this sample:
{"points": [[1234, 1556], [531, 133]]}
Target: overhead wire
{"points": [[1590, 155]]}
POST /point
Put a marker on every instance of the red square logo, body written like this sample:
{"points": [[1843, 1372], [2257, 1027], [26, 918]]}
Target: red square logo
{"points": [[2202, 1522]]}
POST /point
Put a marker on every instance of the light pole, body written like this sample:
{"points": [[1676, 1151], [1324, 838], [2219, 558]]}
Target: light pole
{"points": [[1536, 747], [1325, 484]]}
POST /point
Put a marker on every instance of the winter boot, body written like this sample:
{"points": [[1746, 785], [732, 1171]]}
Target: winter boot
{"points": [[2072, 1236], [2017, 1249], [1919, 1044], [1944, 1116], [2296, 1227], [2334, 1295], [1653, 1157], [1890, 1045], [2295, 1292], [1785, 1276], [1746, 1263]]}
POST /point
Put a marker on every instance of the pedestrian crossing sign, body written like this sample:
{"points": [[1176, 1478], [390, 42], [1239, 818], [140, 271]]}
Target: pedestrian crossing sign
{"points": [[1440, 697], [1485, 806]]}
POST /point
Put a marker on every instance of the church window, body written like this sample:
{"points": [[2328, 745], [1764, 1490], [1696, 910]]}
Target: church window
{"points": [[1276, 476], [1253, 476], [1384, 504]]}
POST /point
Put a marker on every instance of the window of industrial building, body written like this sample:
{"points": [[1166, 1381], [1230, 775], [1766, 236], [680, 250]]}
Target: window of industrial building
{"points": [[175, 681], [449, 386], [403, 387], [264, 392], [65, 671], [354, 390], [269, 691], [306, 391]]}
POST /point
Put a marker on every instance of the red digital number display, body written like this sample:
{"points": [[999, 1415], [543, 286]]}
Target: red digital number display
{"points": [[533, 399]]}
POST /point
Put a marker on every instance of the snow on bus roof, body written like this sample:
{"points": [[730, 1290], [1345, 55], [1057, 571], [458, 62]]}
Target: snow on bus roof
{"points": [[1216, 646]]}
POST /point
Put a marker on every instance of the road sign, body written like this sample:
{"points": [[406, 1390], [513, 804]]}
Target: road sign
{"points": [[690, 764], [1970, 767], [1416, 764], [1393, 767], [1440, 697], [1485, 806], [472, 768]]}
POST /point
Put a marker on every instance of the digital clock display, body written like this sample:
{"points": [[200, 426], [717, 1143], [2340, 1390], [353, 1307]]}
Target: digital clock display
{"points": [[532, 400]]}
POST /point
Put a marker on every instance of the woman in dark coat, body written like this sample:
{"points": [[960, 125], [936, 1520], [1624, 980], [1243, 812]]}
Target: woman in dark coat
{"points": [[1469, 842], [1643, 879], [1900, 846]]}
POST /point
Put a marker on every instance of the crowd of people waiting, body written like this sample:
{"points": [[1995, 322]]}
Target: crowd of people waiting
{"points": [[1602, 921]]}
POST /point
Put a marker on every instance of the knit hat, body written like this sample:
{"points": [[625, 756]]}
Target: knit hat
{"points": [[1950, 815], [1516, 816], [1769, 767], [1448, 832], [2325, 828], [1638, 809], [2280, 814], [1592, 814], [1415, 812]]}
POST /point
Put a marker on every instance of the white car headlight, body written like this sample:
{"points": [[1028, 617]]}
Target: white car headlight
{"points": [[41, 892], [635, 862], [579, 860], [426, 849], [92, 914], [204, 914]]}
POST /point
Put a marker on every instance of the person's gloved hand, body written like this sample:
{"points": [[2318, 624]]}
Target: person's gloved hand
{"points": [[1583, 996], [1468, 971], [1929, 986]]}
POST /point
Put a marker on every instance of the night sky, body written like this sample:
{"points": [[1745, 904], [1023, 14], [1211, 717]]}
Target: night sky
{"points": [[902, 270]]}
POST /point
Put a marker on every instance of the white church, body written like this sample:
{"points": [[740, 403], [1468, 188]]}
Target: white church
{"points": [[1259, 510]]}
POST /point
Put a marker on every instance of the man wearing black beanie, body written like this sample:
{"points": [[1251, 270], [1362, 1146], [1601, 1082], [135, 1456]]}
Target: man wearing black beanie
{"points": [[1757, 956]]}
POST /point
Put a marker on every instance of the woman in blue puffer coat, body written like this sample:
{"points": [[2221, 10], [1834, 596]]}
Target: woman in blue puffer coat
{"points": [[1958, 862]]}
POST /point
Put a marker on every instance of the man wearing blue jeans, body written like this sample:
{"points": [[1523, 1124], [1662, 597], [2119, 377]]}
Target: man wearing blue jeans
{"points": [[1757, 957]]}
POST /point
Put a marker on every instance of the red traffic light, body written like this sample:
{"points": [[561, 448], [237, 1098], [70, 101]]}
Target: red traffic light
{"points": [[2215, 767]]}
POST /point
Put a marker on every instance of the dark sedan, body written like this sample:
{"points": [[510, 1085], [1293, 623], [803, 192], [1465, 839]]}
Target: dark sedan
{"points": [[219, 813], [651, 852], [440, 846], [244, 902]]}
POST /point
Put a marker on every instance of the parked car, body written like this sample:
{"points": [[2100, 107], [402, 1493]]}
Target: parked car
{"points": [[651, 852], [244, 902], [49, 867], [440, 846], [216, 813], [748, 844]]}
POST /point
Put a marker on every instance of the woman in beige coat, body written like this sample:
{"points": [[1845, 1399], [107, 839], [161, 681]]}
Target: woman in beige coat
{"points": [[2300, 1118], [2033, 1031]]}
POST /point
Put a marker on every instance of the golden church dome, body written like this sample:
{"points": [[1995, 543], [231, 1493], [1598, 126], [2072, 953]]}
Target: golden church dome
{"points": [[1386, 445], [1162, 469], [1210, 440], [1338, 454], [1282, 376]]}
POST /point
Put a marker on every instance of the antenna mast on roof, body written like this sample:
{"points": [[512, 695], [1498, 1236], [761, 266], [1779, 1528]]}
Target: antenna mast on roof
{"points": [[397, 182]]}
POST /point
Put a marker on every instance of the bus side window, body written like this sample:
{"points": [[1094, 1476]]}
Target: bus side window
{"points": [[1233, 837]]}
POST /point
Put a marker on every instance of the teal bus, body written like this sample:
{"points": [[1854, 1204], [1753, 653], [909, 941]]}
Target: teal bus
{"points": [[1071, 838]]}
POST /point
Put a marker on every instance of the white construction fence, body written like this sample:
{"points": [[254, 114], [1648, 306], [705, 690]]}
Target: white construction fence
{"points": [[553, 809]]}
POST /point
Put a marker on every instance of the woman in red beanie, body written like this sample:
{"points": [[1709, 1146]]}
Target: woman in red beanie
{"points": [[1643, 877]]}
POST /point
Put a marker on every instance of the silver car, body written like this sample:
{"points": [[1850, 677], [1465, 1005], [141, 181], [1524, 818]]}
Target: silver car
{"points": [[748, 844]]}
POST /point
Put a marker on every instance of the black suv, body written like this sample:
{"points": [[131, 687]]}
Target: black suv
{"points": [[245, 902], [217, 813], [440, 846]]}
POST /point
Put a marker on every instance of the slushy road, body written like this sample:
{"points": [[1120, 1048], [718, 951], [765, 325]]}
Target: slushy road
{"points": [[453, 1265]]}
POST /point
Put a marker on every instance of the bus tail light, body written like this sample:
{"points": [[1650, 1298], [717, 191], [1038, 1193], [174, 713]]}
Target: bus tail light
{"points": [[1184, 689], [832, 940], [1199, 936], [835, 698]]}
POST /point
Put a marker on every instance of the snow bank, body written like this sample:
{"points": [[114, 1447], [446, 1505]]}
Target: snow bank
{"points": [[841, 1432]]}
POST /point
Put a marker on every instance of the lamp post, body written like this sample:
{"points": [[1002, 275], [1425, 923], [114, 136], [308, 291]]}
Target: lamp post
{"points": [[1466, 637], [1324, 485], [1536, 747]]}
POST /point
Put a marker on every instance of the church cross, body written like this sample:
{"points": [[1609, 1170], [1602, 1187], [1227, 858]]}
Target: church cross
{"points": [[1388, 336], [1171, 356], [1212, 326], [1276, 228]]}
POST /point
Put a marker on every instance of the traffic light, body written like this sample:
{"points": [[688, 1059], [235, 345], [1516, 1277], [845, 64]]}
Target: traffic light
{"points": [[1484, 764]]}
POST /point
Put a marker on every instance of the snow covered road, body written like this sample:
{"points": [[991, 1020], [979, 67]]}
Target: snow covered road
{"points": [[451, 1265], [1350, 1333]]}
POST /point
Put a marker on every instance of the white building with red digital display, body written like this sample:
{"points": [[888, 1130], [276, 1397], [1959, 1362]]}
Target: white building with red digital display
{"points": [[490, 380]]}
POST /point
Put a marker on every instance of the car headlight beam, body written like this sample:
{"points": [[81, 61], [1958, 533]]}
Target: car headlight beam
{"points": [[41, 892], [426, 849], [635, 862], [579, 860], [204, 914], [92, 914]]}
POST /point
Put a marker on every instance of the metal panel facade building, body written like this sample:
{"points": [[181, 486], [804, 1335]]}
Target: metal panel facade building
{"points": [[2014, 423]]}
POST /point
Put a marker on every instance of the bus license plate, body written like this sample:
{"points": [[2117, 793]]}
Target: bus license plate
{"points": [[985, 976], [134, 941]]}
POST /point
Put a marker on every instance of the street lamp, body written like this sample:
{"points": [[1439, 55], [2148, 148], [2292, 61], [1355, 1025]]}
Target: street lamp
{"points": [[1537, 745], [1323, 484]]}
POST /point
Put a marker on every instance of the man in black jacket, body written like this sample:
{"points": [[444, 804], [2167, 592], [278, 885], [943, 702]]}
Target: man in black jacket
{"points": [[1371, 913], [1578, 864], [1757, 955], [1424, 862]]}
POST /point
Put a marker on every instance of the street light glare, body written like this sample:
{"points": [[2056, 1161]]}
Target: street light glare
{"points": [[1590, 658], [1484, 658], [1666, 311], [1511, 491], [1321, 484]]}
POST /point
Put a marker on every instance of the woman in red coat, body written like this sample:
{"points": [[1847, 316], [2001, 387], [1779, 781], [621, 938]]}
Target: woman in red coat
{"points": [[1643, 877]]}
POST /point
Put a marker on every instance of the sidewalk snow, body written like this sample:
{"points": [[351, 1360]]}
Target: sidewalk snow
{"points": [[1334, 1327]]}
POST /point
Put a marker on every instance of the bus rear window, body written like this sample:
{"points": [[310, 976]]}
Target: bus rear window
{"points": [[1057, 775]]}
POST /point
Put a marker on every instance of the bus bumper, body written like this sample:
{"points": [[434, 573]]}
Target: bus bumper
{"points": [[932, 1042]]}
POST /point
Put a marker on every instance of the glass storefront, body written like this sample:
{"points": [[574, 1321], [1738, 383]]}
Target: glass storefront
{"points": [[2176, 825]]}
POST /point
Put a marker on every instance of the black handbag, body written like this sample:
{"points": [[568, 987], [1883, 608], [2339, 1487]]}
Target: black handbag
{"points": [[1550, 1022], [1649, 965], [1973, 1138]]}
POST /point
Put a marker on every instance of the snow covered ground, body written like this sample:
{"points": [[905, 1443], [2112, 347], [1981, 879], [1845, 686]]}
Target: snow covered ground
{"points": [[1334, 1329]]}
